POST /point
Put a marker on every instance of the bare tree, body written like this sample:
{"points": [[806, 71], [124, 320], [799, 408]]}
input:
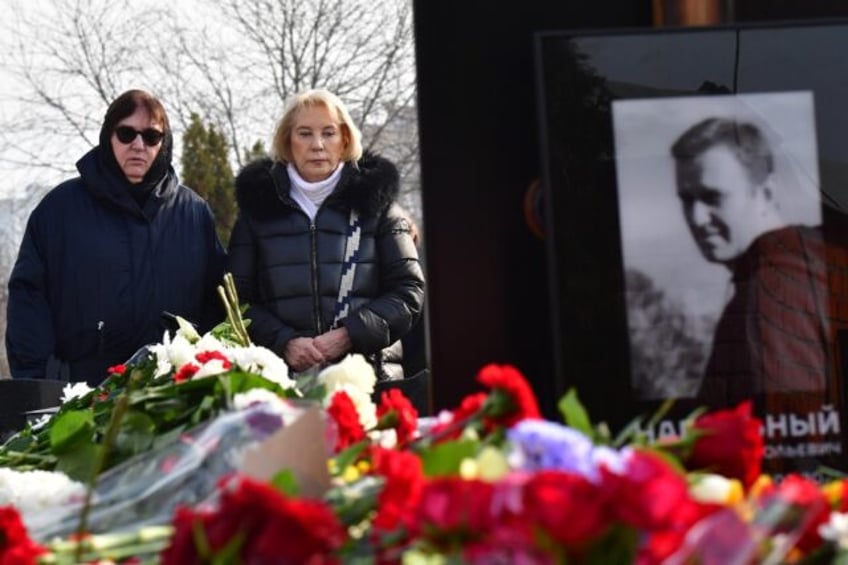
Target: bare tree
{"points": [[235, 63], [68, 59], [240, 68]]}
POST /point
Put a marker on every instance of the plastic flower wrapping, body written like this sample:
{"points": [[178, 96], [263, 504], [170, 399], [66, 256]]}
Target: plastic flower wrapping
{"points": [[203, 449]]}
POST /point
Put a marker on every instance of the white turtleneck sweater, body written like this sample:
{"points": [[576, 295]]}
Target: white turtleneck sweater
{"points": [[310, 195]]}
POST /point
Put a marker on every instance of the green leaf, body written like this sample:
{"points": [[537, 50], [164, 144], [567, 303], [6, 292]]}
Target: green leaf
{"points": [[240, 381], [136, 433], [70, 429], [841, 558], [618, 545], [80, 463], [445, 458], [286, 483], [574, 414], [347, 456], [18, 443], [631, 433], [229, 554]]}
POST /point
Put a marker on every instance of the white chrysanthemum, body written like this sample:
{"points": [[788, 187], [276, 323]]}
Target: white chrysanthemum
{"points": [[353, 369], [836, 529], [261, 360], [172, 353], [32, 492], [256, 396], [208, 343], [160, 352], [74, 390]]}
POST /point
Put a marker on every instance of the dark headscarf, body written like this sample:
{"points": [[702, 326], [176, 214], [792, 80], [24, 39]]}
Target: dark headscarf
{"points": [[125, 105]]}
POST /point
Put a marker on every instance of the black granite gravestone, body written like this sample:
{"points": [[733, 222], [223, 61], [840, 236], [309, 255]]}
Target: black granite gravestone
{"points": [[19, 396]]}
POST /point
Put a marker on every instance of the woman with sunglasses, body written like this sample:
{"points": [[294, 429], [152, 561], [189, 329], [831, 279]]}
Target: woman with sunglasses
{"points": [[105, 254], [320, 250]]}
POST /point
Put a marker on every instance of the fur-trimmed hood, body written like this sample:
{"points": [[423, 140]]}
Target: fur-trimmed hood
{"points": [[370, 186]]}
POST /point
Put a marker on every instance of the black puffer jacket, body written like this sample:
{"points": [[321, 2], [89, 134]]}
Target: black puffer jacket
{"points": [[95, 272], [288, 268]]}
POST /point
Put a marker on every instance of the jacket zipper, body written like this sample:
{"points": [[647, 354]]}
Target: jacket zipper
{"points": [[316, 300]]}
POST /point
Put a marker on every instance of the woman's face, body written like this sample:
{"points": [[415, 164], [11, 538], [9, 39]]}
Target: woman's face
{"points": [[136, 141], [317, 143]]}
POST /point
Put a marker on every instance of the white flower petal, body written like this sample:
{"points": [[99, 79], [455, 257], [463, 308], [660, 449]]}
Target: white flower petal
{"points": [[353, 369], [75, 390]]}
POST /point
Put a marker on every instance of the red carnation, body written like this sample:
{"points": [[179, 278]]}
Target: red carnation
{"points": [[186, 372], [649, 494], [513, 398], [511, 541], [16, 547], [452, 428], [404, 478], [729, 443], [181, 548], [652, 497], [452, 510], [569, 508], [206, 356], [117, 369], [400, 413], [349, 428], [275, 528]]}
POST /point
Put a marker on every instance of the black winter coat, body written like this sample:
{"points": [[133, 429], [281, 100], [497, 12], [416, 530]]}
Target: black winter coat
{"points": [[95, 272], [288, 268]]}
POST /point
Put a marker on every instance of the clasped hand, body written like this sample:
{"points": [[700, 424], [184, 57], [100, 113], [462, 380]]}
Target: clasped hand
{"points": [[301, 353]]}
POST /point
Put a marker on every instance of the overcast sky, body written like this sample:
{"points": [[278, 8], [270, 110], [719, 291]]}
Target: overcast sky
{"points": [[15, 177]]}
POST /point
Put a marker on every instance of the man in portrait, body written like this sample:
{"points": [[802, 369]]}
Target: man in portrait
{"points": [[773, 334]]}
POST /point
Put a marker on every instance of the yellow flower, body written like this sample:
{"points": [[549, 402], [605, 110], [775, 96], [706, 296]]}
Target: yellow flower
{"points": [[489, 465], [351, 474], [492, 464], [834, 491], [763, 482], [469, 469]]}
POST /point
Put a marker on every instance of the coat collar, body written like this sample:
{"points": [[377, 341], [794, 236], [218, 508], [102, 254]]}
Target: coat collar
{"points": [[370, 185], [102, 183]]}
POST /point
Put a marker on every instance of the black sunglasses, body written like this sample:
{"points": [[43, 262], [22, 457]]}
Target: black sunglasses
{"points": [[150, 136]]}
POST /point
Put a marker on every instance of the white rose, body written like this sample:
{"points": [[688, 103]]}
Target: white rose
{"points": [[354, 370]]}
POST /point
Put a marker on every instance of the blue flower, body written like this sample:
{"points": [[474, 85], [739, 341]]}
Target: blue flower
{"points": [[540, 444]]}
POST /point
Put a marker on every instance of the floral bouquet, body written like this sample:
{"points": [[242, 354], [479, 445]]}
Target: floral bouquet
{"points": [[487, 482], [492, 482]]}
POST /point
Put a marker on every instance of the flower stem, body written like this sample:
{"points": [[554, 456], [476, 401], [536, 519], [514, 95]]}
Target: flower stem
{"points": [[229, 297], [118, 412]]}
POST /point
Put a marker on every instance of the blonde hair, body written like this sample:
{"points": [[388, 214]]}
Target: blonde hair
{"points": [[281, 145]]}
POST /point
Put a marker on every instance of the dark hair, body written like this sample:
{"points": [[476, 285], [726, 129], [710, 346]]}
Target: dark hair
{"points": [[744, 139], [123, 106], [127, 103]]}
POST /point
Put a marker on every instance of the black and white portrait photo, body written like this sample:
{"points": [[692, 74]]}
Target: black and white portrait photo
{"points": [[725, 271]]}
